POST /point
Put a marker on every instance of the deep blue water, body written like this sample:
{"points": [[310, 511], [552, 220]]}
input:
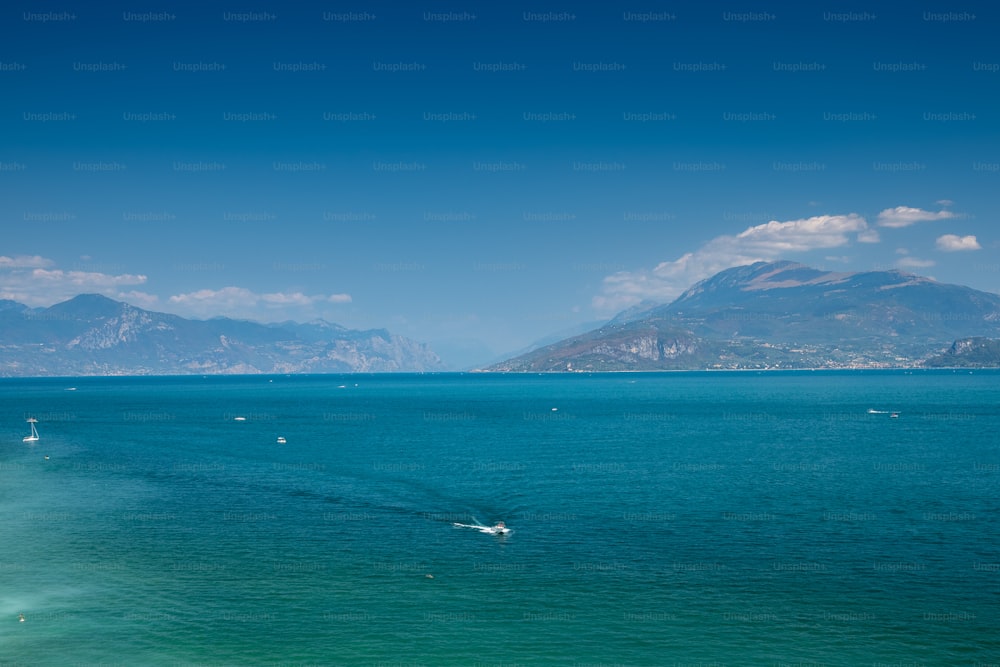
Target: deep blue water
{"points": [[658, 519]]}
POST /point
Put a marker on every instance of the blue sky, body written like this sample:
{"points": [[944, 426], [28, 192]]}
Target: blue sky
{"points": [[481, 175]]}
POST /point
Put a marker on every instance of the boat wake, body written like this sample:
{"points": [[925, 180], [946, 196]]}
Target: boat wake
{"points": [[892, 413], [498, 529]]}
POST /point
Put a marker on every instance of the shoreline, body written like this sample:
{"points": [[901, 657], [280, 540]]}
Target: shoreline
{"points": [[483, 372]]}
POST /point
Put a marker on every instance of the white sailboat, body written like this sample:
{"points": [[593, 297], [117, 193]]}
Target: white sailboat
{"points": [[34, 432]]}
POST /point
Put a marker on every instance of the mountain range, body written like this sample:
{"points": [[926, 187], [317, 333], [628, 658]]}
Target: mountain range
{"points": [[762, 316], [94, 335], [773, 315]]}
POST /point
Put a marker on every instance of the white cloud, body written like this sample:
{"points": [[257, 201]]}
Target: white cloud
{"points": [[293, 299], [869, 236], [904, 216], [758, 243], [31, 281], [241, 302], [300, 299], [914, 263], [955, 243], [86, 281], [24, 262], [226, 296], [140, 299], [821, 231]]}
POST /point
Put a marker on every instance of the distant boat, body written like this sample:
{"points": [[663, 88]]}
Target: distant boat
{"points": [[281, 440], [34, 432]]}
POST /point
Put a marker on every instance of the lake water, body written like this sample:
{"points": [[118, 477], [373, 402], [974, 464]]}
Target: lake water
{"points": [[657, 519]]}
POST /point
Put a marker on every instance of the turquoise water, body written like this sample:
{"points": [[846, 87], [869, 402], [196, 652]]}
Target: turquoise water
{"points": [[658, 519]]}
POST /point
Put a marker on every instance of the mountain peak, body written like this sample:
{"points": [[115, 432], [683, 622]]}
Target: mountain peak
{"points": [[7, 304], [760, 275], [88, 306], [92, 299]]}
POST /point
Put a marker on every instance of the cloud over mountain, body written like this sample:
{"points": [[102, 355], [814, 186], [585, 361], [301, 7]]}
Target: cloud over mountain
{"points": [[38, 281], [35, 281], [241, 302], [762, 242]]}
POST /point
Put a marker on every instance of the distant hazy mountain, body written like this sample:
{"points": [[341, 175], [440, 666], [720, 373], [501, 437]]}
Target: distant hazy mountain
{"points": [[94, 335], [781, 315]]}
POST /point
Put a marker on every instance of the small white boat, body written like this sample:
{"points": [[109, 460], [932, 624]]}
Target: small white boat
{"points": [[34, 432], [499, 528], [281, 440]]}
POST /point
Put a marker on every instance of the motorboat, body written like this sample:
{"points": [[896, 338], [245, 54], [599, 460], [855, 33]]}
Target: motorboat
{"points": [[499, 528]]}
